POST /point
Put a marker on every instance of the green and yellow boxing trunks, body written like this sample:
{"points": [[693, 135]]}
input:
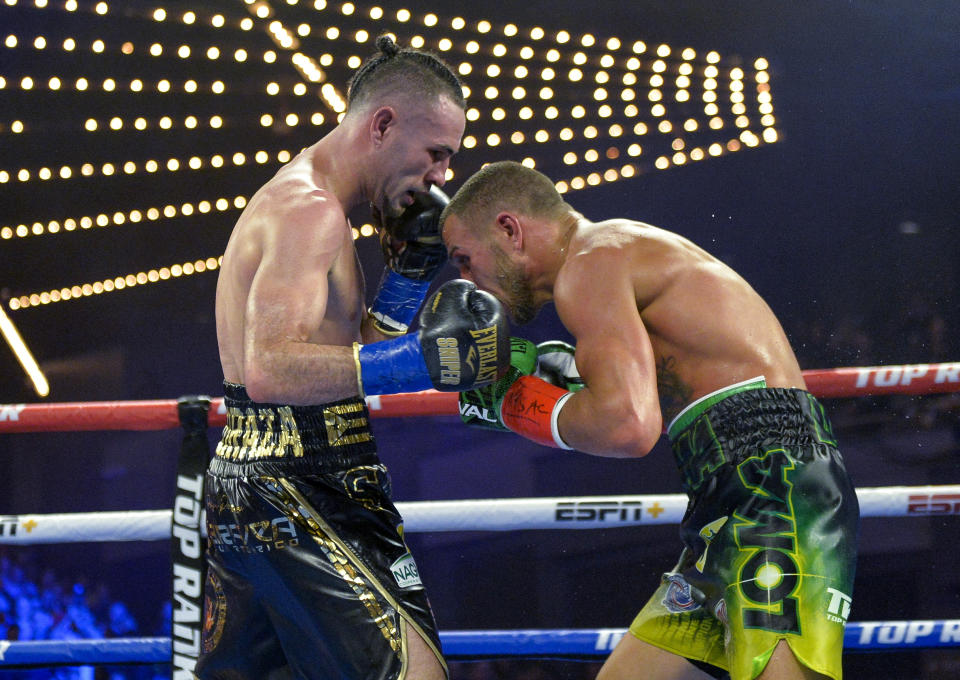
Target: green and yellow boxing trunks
{"points": [[769, 535]]}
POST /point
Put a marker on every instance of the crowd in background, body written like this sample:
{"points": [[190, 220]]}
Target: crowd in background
{"points": [[42, 604]]}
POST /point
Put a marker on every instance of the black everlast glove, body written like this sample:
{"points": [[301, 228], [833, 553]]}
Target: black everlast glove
{"points": [[463, 343], [411, 243], [464, 336]]}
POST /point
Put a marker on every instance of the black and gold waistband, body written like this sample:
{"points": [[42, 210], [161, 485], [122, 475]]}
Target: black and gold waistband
{"points": [[749, 423], [273, 432]]}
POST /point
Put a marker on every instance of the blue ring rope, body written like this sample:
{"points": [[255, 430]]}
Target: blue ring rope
{"points": [[583, 643]]}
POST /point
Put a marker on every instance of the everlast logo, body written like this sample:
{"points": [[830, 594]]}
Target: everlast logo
{"points": [[449, 354], [187, 582], [486, 343], [770, 575]]}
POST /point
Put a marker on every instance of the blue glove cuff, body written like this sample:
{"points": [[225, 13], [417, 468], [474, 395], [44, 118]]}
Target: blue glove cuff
{"points": [[398, 301], [393, 366]]}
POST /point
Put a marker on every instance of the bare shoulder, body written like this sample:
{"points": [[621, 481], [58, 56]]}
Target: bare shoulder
{"points": [[645, 257], [294, 195], [626, 239], [290, 212]]}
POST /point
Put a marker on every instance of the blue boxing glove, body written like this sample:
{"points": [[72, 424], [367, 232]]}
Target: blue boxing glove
{"points": [[463, 342], [413, 253]]}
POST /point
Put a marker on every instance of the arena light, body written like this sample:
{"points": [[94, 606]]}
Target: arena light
{"points": [[134, 216], [113, 284], [151, 165], [23, 354], [685, 83], [604, 61]]}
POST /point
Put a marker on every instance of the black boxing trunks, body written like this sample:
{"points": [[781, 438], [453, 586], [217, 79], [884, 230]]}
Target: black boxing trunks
{"points": [[769, 535], [308, 572]]}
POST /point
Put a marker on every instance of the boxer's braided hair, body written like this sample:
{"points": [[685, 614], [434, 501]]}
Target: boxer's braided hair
{"points": [[407, 70]]}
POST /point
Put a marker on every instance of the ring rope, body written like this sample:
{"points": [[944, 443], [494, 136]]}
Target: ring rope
{"points": [[908, 379], [473, 644], [498, 514], [503, 514]]}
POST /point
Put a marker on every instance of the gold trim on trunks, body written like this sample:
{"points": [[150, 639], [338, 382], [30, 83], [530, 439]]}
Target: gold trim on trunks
{"points": [[253, 434], [342, 559], [272, 432], [340, 555], [338, 424]]}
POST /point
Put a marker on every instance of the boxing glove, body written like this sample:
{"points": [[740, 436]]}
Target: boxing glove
{"points": [[520, 401], [481, 407], [557, 365], [462, 343], [413, 253]]}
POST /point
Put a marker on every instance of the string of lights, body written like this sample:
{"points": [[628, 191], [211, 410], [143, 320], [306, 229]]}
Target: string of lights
{"points": [[612, 108], [130, 167], [136, 216], [493, 70], [121, 217], [116, 283]]}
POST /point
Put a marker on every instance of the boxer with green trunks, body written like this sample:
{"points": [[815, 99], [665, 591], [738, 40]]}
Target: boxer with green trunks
{"points": [[767, 553], [665, 331]]}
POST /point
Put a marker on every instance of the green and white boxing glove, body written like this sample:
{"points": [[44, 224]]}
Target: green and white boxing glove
{"points": [[520, 401], [481, 407], [557, 365]]}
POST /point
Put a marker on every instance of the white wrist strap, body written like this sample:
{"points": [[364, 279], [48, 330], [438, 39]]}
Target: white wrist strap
{"points": [[554, 429]]}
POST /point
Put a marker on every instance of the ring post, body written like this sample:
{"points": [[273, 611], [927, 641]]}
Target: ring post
{"points": [[187, 546]]}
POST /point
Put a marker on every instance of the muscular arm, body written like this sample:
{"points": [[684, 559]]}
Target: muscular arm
{"points": [[618, 413], [286, 307]]}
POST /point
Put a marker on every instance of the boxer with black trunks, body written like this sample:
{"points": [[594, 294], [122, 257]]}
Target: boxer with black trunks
{"points": [[309, 575], [664, 331]]}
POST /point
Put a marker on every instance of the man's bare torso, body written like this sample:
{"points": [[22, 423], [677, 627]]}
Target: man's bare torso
{"points": [[289, 211], [707, 326]]}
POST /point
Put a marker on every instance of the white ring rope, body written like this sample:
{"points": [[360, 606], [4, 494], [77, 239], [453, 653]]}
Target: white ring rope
{"points": [[504, 514]]}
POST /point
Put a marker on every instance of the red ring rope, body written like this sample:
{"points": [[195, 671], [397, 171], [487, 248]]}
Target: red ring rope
{"points": [[910, 379]]}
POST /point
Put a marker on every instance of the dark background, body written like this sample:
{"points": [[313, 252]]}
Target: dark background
{"points": [[847, 226]]}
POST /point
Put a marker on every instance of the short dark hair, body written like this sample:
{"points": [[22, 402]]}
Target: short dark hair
{"points": [[506, 185], [403, 70]]}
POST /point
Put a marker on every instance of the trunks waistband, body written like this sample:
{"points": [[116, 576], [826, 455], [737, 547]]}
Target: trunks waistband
{"points": [[693, 410], [280, 432], [746, 423]]}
